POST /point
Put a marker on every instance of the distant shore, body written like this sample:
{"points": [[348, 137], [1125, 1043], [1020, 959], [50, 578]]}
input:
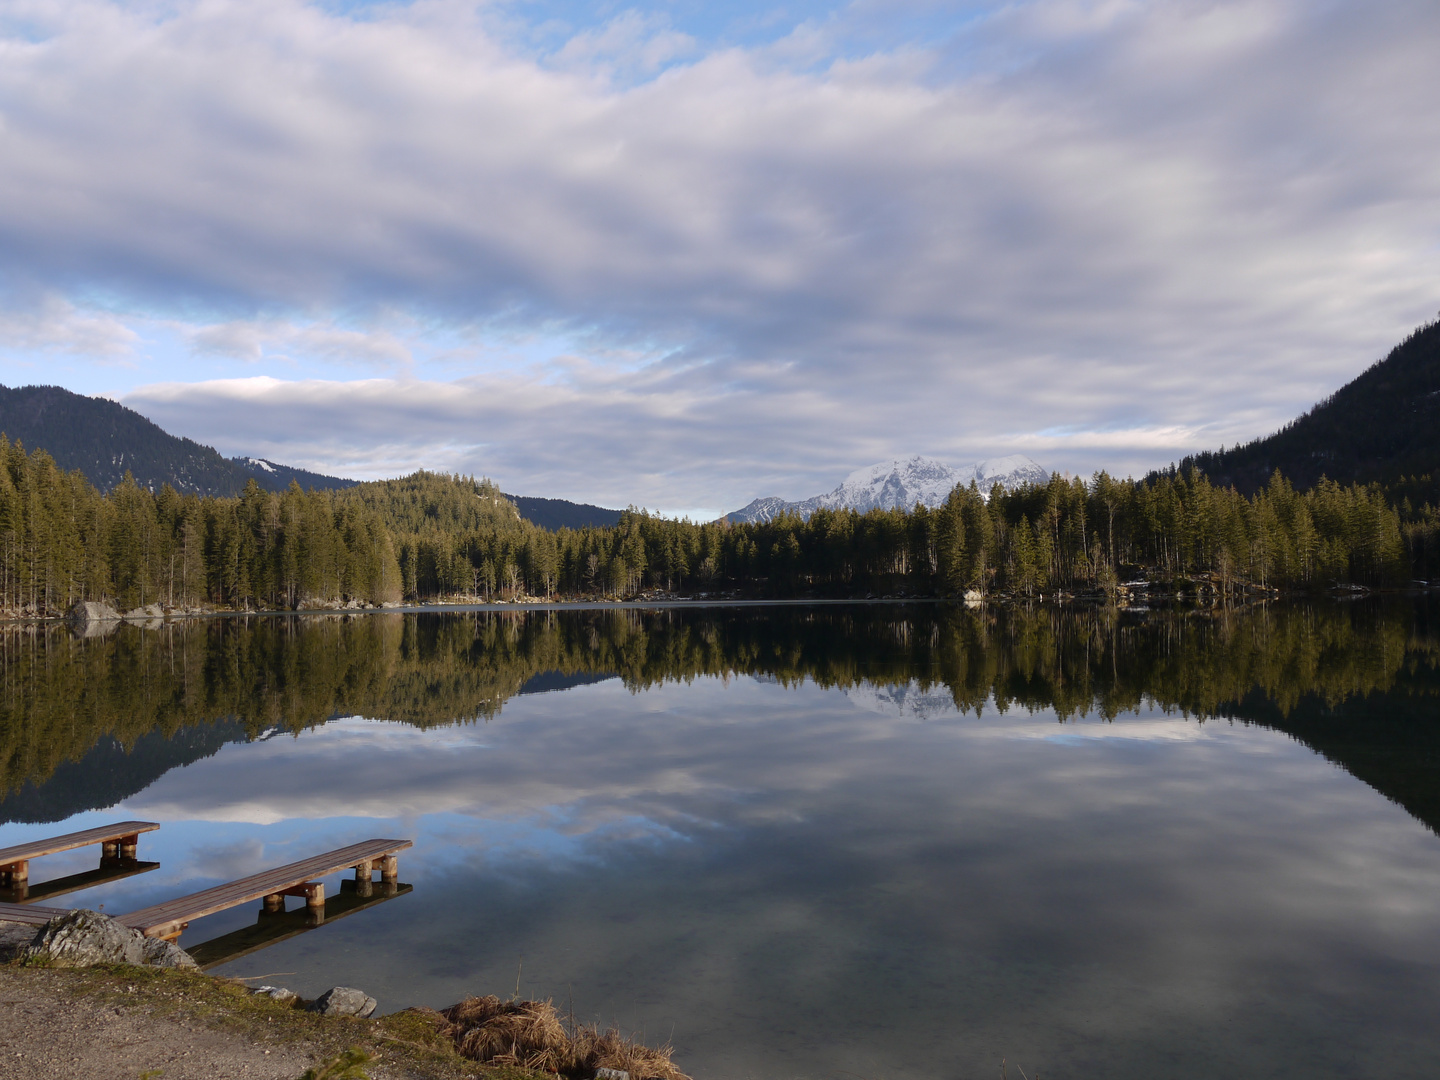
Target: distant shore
{"points": [[1134, 596]]}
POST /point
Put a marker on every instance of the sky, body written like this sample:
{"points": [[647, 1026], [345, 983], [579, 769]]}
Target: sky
{"points": [[681, 255]]}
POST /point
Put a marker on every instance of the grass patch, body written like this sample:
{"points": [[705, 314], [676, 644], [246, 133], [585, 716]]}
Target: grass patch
{"points": [[530, 1035]]}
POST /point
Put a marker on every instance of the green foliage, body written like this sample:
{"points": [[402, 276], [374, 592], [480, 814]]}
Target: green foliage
{"points": [[429, 536]]}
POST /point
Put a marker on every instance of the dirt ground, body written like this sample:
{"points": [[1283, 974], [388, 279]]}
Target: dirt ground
{"points": [[120, 1023], [46, 1033]]}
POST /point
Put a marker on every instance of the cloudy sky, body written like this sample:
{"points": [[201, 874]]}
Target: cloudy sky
{"points": [[683, 254]]}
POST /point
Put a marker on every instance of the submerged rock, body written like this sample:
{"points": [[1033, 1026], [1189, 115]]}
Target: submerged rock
{"points": [[344, 1001], [84, 938]]}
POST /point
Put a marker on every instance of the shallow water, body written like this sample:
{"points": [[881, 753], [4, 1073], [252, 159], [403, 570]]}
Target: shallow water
{"points": [[904, 841]]}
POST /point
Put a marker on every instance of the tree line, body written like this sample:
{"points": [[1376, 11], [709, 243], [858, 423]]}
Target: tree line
{"points": [[432, 536], [1066, 535]]}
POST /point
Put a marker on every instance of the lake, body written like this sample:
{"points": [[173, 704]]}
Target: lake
{"points": [[884, 840]]}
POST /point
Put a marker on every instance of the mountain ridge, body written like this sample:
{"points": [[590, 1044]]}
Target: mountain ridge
{"points": [[898, 484], [1382, 426], [103, 440]]}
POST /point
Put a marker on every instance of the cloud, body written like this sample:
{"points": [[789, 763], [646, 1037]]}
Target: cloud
{"points": [[51, 324], [1181, 216], [253, 340]]}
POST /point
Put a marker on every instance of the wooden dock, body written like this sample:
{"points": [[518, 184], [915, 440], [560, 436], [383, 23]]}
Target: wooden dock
{"points": [[117, 841], [169, 919], [32, 914]]}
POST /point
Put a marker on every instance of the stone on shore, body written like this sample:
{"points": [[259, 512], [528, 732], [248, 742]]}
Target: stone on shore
{"points": [[90, 618], [344, 1001], [85, 938]]}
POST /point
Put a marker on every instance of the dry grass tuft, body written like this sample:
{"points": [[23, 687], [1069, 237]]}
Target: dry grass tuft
{"points": [[529, 1034]]}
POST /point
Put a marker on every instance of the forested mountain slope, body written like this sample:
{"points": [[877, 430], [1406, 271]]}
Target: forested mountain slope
{"points": [[561, 514], [103, 440], [1382, 426]]}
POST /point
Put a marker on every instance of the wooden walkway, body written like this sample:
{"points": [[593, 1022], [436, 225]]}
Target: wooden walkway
{"points": [[118, 841], [167, 920], [30, 913]]}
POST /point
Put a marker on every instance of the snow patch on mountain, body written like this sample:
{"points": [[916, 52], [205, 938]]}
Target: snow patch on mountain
{"points": [[899, 485]]}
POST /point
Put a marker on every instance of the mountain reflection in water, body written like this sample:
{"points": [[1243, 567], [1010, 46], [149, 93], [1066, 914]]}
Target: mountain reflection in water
{"points": [[809, 841]]}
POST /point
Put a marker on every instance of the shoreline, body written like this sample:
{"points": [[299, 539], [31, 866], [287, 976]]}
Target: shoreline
{"points": [[1138, 599]]}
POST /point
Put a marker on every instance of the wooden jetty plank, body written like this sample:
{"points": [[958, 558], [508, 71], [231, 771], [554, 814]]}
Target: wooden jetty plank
{"points": [[119, 840], [110, 870], [25, 913], [170, 918]]}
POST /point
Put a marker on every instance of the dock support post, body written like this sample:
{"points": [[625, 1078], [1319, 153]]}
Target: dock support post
{"points": [[364, 885], [128, 846], [389, 869], [110, 849], [17, 873], [274, 903]]}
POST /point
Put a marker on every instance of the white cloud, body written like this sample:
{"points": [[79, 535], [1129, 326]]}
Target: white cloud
{"points": [[1183, 216], [51, 324], [254, 340]]}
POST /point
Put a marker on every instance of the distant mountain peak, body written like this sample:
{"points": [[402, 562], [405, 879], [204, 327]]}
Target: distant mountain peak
{"points": [[898, 484]]}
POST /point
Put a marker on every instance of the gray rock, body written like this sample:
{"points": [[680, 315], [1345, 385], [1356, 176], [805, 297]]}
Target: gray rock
{"points": [[85, 938], [166, 954], [91, 619], [278, 993], [149, 617], [14, 937], [344, 1001], [88, 611], [603, 1073]]}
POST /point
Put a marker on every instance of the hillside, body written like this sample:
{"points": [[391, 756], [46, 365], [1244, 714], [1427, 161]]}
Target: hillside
{"points": [[561, 514], [103, 440], [1382, 426], [425, 501]]}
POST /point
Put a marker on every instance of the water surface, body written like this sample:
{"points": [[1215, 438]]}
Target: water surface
{"points": [[898, 841]]}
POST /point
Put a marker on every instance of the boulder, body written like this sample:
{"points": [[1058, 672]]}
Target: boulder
{"points": [[344, 1001], [90, 618], [84, 938], [160, 953], [603, 1073], [150, 615]]}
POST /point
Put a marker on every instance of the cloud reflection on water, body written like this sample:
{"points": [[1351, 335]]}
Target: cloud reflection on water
{"points": [[797, 884]]}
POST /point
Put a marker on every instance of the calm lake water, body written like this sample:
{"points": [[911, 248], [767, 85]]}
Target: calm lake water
{"points": [[844, 841]]}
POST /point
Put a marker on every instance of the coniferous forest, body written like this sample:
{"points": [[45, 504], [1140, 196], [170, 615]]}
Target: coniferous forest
{"points": [[429, 536]]}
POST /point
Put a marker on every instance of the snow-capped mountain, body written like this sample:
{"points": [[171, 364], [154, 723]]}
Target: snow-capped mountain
{"points": [[891, 485]]}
